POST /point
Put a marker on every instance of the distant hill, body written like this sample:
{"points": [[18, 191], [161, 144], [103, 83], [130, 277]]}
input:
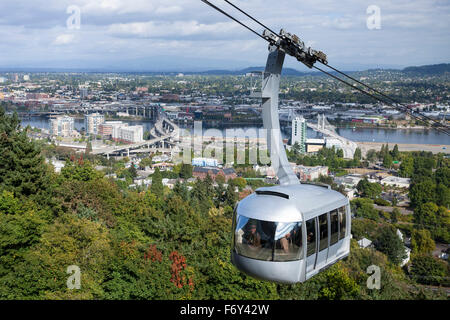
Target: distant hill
{"points": [[286, 72], [434, 69]]}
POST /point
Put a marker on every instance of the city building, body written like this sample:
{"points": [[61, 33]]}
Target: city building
{"points": [[62, 126], [109, 129], [92, 121], [299, 133], [396, 182], [133, 134], [310, 173], [314, 145]]}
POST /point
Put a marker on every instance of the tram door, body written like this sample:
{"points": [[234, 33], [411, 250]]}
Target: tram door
{"points": [[311, 245]]}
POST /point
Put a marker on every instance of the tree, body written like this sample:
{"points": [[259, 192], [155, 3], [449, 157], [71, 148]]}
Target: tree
{"points": [[230, 196], [442, 195], [80, 170], [88, 148], [395, 152], [390, 244], [357, 156], [22, 170], [239, 182], [363, 208], [146, 162], [339, 285], [186, 171], [422, 192], [368, 189], [387, 161], [407, 167], [421, 241], [157, 186], [132, 171], [395, 215], [428, 270], [371, 155]]}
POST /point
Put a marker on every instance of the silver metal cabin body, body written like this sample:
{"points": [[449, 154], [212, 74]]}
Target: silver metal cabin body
{"points": [[287, 233]]}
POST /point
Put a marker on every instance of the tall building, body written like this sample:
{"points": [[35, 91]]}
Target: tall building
{"points": [[62, 126], [92, 122], [84, 93], [299, 133]]}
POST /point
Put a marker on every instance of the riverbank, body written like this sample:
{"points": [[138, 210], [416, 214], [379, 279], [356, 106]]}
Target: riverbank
{"points": [[434, 148]]}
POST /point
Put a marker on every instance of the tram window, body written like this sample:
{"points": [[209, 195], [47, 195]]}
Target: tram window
{"points": [[266, 240], [334, 227], [311, 237], [254, 238], [342, 222], [323, 231], [288, 241]]}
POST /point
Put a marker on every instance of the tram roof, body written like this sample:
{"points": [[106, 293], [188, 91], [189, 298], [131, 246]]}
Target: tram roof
{"points": [[287, 203]]}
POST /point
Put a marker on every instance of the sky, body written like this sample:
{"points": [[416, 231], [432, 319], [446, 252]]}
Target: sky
{"points": [[188, 35]]}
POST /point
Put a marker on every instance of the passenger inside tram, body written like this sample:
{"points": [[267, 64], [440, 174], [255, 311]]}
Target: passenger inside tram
{"points": [[253, 238]]}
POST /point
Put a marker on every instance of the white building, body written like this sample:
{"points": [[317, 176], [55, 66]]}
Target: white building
{"points": [[62, 126], [396, 182], [133, 134], [299, 133], [111, 128], [92, 121]]}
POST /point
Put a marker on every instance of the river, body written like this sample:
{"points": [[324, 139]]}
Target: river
{"points": [[358, 134]]}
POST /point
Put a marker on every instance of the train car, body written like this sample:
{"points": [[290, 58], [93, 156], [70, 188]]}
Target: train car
{"points": [[287, 234]]}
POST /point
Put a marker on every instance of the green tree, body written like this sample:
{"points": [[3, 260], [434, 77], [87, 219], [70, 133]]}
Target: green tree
{"points": [[395, 215], [368, 189], [421, 241], [186, 171], [363, 208], [395, 153], [390, 244], [407, 167], [387, 161], [22, 170], [422, 192], [157, 186], [428, 270]]}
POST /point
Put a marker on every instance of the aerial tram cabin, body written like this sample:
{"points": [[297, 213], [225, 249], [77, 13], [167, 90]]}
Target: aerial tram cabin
{"points": [[287, 234]]}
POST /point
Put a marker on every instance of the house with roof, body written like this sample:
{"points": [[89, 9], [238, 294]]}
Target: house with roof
{"points": [[202, 172]]}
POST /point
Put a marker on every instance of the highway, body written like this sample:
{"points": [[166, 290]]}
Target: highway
{"points": [[157, 129]]}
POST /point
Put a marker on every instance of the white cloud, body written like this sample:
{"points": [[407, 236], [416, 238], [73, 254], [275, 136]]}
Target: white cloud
{"points": [[64, 39], [116, 30]]}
